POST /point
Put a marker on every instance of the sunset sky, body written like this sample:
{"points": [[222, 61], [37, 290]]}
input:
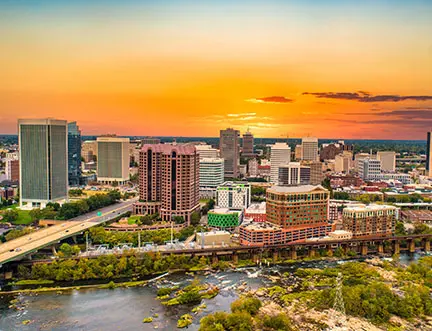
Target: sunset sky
{"points": [[333, 69]]}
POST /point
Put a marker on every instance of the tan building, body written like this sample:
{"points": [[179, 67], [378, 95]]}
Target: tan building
{"points": [[216, 238], [168, 181], [309, 149], [388, 161], [343, 162], [298, 152], [369, 221], [316, 172], [112, 160], [89, 150]]}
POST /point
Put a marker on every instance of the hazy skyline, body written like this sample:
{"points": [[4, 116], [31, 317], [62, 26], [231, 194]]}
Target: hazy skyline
{"points": [[175, 68]]}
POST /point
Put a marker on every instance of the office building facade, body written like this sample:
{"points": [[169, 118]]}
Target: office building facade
{"points": [[12, 169], [309, 149], [280, 154], [43, 161], [230, 150], [211, 175], [233, 195], [112, 160], [248, 145], [388, 161], [74, 154], [207, 151], [168, 181], [429, 154], [369, 168], [294, 173]]}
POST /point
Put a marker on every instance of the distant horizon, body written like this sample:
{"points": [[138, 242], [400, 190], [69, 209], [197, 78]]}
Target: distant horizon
{"points": [[255, 138]]}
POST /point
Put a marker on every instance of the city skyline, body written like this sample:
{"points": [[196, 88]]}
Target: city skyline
{"points": [[328, 69]]}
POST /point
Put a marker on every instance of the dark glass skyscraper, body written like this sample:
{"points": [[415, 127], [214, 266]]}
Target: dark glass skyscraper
{"points": [[74, 154], [428, 154]]}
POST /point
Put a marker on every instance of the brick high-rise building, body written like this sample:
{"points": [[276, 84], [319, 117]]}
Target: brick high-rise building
{"points": [[248, 145], [229, 150], [12, 169], [168, 181]]}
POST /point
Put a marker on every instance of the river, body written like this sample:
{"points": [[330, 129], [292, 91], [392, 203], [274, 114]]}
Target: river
{"points": [[125, 308]]}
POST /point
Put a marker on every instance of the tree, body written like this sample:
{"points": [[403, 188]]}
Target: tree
{"points": [[249, 304], [66, 249], [10, 215], [195, 218], [178, 220]]}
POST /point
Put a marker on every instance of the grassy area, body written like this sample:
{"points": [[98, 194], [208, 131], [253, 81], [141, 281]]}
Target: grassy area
{"points": [[23, 217], [204, 200], [133, 219]]}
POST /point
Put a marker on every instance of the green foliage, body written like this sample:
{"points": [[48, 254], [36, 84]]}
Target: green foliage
{"points": [[280, 322], [18, 232], [221, 321], [400, 229], [341, 196], [184, 321], [75, 192], [10, 215], [250, 305], [166, 291], [148, 320], [421, 228], [195, 218]]}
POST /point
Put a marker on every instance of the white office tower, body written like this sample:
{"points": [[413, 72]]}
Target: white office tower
{"points": [[369, 169], [294, 173], [280, 154], [112, 160], [388, 161], [211, 175], [206, 151], [310, 149], [233, 195], [43, 161]]}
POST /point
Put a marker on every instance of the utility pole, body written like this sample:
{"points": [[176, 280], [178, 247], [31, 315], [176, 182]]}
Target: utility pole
{"points": [[87, 243], [339, 306], [139, 239]]}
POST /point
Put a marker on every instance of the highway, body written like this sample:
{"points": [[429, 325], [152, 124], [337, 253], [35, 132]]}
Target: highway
{"points": [[24, 245]]}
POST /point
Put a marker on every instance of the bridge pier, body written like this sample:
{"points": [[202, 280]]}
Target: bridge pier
{"points": [[53, 249], [255, 258], [329, 251], [74, 238], [426, 245], [396, 247], [215, 259], [363, 249], [293, 253], [312, 252], [380, 248], [411, 245], [235, 258], [275, 256], [345, 249]]}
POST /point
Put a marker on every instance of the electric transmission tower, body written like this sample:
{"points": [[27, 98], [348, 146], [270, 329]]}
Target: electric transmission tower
{"points": [[338, 305]]}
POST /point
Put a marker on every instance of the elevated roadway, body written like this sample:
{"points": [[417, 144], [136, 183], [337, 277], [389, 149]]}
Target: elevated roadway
{"points": [[17, 248]]}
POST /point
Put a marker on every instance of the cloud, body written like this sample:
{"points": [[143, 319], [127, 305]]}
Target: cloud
{"points": [[274, 99], [363, 96], [242, 114], [417, 113]]}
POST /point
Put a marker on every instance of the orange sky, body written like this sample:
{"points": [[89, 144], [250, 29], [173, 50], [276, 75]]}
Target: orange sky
{"points": [[178, 68]]}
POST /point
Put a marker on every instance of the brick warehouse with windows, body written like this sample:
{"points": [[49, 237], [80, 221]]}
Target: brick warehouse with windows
{"points": [[293, 213], [371, 220], [168, 181]]}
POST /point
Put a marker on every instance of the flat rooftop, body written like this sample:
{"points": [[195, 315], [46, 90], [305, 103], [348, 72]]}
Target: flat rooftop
{"points": [[296, 189], [371, 207]]}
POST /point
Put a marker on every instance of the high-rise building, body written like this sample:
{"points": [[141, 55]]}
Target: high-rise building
{"points": [[248, 145], [12, 169], [329, 151], [168, 181], [253, 167], [316, 172], [233, 195], [211, 175], [206, 151], [371, 220], [298, 152], [280, 154], [74, 154], [43, 161], [369, 169], [89, 150], [112, 160], [429, 155], [294, 173], [388, 161], [229, 151], [358, 157], [309, 149]]}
